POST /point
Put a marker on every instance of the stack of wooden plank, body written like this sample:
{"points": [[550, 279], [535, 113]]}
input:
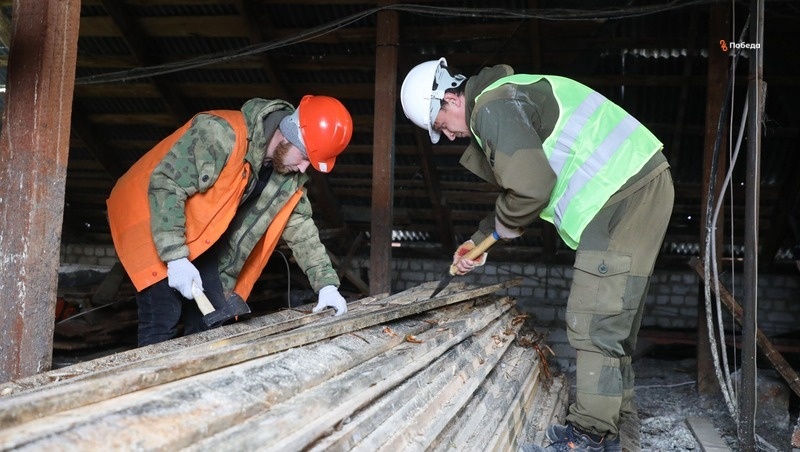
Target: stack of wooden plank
{"points": [[398, 372]]}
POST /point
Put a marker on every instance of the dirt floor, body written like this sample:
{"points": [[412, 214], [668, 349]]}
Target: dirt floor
{"points": [[666, 395]]}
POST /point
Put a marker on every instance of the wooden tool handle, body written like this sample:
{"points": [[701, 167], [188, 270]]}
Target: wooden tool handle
{"points": [[478, 250], [202, 300]]}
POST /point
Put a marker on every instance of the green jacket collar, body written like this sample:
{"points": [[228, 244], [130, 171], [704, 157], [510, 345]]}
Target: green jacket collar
{"points": [[473, 158]]}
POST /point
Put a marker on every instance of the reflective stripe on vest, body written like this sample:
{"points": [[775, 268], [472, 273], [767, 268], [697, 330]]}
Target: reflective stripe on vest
{"points": [[595, 147]]}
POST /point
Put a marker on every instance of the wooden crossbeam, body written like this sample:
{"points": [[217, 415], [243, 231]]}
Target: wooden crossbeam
{"points": [[769, 351]]}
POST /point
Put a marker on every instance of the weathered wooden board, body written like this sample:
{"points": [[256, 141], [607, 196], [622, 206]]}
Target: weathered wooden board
{"points": [[490, 403], [175, 415], [548, 407], [397, 373], [336, 400], [706, 436], [415, 424], [211, 356], [512, 424], [424, 384]]}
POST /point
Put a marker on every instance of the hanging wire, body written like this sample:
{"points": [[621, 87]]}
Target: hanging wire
{"points": [[288, 280], [730, 187], [324, 29], [726, 387], [715, 270], [732, 156]]}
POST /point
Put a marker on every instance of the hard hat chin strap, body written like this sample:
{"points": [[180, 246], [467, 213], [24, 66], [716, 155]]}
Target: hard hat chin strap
{"points": [[441, 83]]}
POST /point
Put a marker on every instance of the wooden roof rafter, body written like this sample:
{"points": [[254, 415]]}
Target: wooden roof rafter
{"points": [[133, 36], [255, 24]]}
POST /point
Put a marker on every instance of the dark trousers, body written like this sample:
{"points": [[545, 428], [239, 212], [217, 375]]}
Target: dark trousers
{"points": [[163, 309]]}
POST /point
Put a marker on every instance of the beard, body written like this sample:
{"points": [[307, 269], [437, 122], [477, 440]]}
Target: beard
{"points": [[279, 157]]}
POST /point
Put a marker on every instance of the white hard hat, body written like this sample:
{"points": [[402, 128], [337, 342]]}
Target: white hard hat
{"points": [[423, 90]]}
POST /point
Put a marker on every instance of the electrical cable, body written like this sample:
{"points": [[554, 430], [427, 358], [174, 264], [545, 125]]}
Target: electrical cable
{"points": [[673, 385], [731, 194], [288, 280], [724, 380], [324, 29], [715, 270]]}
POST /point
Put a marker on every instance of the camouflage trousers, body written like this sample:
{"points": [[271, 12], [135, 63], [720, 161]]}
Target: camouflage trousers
{"points": [[613, 266]]}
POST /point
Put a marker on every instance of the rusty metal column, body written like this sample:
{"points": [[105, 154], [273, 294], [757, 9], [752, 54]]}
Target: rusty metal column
{"points": [[33, 163], [387, 32], [756, 92]]}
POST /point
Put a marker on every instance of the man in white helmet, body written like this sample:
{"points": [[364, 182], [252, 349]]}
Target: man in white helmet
{"points": [[559, 150]]}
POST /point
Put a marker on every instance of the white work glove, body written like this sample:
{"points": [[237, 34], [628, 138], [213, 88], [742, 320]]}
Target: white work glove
{"points": [[505, 232], [329, 297], [181, 274], [463, 265]]}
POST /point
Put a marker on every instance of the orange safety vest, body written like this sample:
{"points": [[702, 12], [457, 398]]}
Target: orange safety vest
{"points": [[207, 214]]}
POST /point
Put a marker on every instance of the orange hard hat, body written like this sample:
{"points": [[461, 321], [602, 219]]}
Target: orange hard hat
{"points": [[326, 127]]}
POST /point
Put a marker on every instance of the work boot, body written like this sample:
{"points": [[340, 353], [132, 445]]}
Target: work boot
{"points": [[556, 431], [565, 438], [612, 445]]}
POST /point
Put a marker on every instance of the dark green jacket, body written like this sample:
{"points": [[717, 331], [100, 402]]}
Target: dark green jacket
{"points": [[513, 121]]}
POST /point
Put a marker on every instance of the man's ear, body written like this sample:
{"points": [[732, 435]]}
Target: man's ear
{"points": [[453, 99]]}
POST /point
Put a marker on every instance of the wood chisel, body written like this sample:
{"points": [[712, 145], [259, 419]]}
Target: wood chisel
{"points": [[471, 255]]}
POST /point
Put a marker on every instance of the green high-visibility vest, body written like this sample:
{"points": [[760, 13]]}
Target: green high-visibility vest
{"points": [[595, 147]]}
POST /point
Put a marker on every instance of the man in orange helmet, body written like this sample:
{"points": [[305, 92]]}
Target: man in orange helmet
{"points": [[204, 209]]}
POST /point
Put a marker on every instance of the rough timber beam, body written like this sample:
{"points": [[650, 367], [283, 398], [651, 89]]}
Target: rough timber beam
{"points": [[683, 99], [134, 38], [302, 394], [33, 163], [383, 157]]}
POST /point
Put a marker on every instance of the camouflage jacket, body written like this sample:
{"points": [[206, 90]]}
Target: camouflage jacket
{"points": [[204, 150]]}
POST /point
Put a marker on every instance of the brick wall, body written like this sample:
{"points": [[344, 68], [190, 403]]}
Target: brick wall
{"points": [[92, 255], [671, 302]]}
